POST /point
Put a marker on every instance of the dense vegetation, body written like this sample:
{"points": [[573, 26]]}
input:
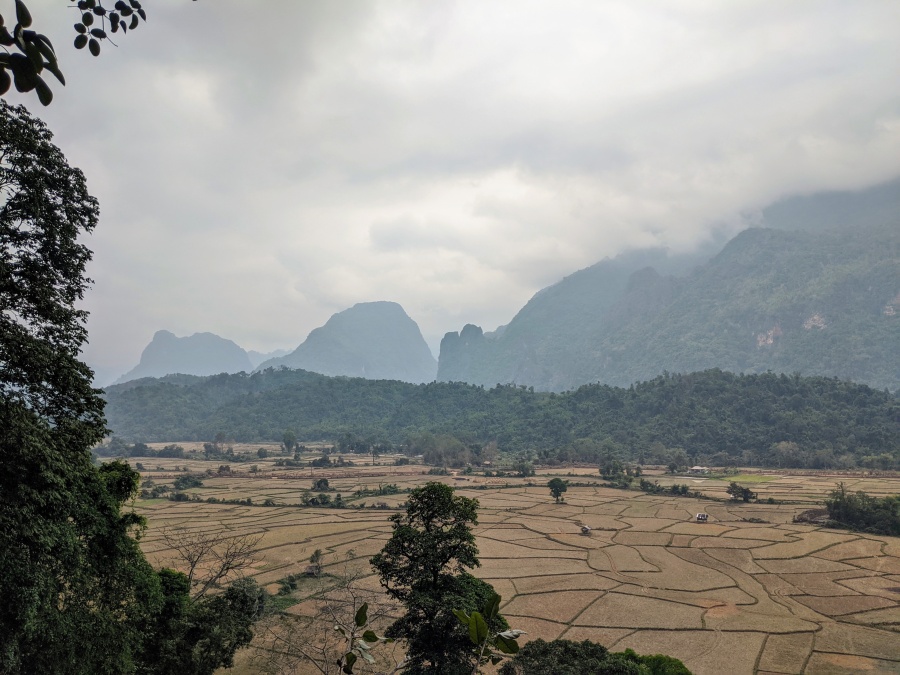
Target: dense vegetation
{"points": [[712, 416], [565, 657], [77, 594], [861, 511]]}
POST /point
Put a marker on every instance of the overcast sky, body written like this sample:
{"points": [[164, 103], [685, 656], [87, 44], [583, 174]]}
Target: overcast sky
{"points": [[262, 165]]}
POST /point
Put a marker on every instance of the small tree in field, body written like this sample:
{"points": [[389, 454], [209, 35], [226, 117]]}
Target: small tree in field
{"points": [[557, 487], [738, 492]]}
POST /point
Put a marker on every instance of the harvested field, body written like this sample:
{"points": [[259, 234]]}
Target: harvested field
{"points": [[727, 596]]}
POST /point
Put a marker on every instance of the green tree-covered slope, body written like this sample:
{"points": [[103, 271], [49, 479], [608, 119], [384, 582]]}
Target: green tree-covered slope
{"points": [[821, 420]]}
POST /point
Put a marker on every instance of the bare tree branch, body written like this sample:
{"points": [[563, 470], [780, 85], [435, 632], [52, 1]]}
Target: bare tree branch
{"points": [[295, 643], [209, 557]]}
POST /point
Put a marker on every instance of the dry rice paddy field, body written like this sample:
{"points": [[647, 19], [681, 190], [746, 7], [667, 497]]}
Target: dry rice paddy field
{"points": [[726, 596]]}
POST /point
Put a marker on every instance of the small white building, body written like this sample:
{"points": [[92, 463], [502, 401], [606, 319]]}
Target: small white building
{"points": [[699, 469]]}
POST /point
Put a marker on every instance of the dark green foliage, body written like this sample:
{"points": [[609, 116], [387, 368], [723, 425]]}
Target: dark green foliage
{"points": [[739, 492], [712, 414], [187, 482], [559, 657], [436, 643], [75, 587], [524, 469], [36, 53], [423, 565], [861, 511], [62, 535], [432, 540], [320, 484], [564, 657], [197, 637], [321, 462], [557, 487], [77, 594]]}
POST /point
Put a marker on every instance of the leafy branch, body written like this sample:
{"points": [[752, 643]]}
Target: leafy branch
{"points": [[488, 646], [35, 53]]}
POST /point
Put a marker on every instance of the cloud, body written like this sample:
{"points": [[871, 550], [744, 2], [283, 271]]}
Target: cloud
{"points": [[260, 167]]}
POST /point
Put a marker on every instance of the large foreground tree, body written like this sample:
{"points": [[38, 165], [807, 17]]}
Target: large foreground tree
{"points": [[424, 566], [76, 593], [75, 587]]}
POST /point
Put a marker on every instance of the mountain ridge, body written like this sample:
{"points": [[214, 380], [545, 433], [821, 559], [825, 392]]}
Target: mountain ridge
{"points": [[820, 302]]}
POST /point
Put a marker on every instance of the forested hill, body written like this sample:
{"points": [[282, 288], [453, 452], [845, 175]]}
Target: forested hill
{"points": [[818, 296], [816, 420]]}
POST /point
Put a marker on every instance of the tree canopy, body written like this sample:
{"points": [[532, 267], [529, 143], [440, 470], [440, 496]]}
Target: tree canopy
{"points": [[711, 417], [557, 487], [74, 584], [424, 565], [566, 657], [433, 539], [78, 594]]}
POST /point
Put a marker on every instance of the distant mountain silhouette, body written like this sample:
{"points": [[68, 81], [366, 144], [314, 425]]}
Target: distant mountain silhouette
{"points": [[198, 354], [374, 340]]}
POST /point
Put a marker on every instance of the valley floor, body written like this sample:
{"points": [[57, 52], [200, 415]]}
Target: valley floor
{"points": [[725, 596]]}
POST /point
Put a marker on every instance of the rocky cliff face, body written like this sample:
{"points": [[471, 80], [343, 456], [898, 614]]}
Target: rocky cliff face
{"points": [[374, 340], [198, 354]]}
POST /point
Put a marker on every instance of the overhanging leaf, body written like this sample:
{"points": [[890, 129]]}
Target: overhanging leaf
{"points": [[362, 615], [23, 16], [492, 606], [462, 616], [506, 645], [45, 95], [478, 629], [349, 660]]}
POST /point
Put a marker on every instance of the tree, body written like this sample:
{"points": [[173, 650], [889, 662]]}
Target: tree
{"points": [[557, 487], [187, 482], [36, 52], [315, 561], [289, 441], [565, 657], [320, 484], [524, 469], [861, 511], [76, 588], [738, 492], [423, 565], [197, 637]]}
